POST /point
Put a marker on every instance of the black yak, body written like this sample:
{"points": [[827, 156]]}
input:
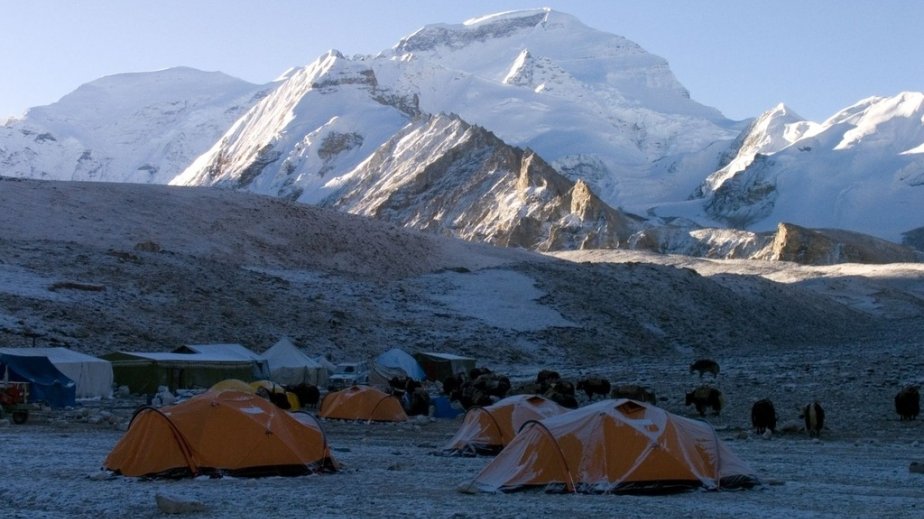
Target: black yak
{"points": [[307, 394], [908, 403], [705, 366], [594, 386], [763, 416], [706, 396]]}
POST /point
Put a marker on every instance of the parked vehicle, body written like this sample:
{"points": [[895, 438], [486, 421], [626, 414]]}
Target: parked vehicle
{"points": [[348, 374], [14, 398]]}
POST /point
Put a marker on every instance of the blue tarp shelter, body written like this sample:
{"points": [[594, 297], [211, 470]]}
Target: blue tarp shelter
{"points": [[46, 383]]}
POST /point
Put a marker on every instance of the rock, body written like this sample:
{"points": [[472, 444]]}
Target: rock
{"points": [[916, 467], [100, 475], [174, 505], [123, 392]]}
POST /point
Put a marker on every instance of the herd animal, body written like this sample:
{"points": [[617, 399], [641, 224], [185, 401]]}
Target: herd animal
{"points": [[705, 366], [706, 396], [908, 403], [814, 416], [481, 387], [763, 416]]}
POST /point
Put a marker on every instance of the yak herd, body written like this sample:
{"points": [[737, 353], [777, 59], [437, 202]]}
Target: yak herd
{"points": [[482, 387]]}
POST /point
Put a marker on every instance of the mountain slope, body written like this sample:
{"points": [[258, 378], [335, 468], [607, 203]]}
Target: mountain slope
{"points": [[862, 170], [140, 127], [321, 122], [443, 175]]}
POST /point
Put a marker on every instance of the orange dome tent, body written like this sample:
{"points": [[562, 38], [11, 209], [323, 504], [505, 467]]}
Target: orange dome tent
{"points": [[220, 433], [614, 446], [486, 430], [362, 403]]}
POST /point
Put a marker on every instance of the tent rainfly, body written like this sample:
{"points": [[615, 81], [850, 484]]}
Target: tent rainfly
{"points": [[92, 375], [289, 365], [614, 446], [362, 403], [221, 433], [440, 366], [486, 430], [395, 363]]}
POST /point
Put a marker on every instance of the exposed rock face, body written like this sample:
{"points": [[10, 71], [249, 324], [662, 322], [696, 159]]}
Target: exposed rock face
{"points": [[830, 246], [443, 175]]}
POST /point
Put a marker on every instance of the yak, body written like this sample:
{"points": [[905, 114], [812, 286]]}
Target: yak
{"points": [[706, 396], [705, 366], [814, 416], [308, 394], [594, 386], [908, 403], [763, 416]]}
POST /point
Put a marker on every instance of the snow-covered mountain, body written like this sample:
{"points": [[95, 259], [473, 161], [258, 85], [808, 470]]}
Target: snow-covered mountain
{"points": [[862, 170], [595, 105], [138, 127], [504, 92]]}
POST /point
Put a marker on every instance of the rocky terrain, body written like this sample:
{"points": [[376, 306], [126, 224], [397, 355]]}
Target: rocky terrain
{"points": [[102, 267]]}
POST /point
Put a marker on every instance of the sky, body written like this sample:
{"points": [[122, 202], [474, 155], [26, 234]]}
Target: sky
{"points": [[742, 57]]}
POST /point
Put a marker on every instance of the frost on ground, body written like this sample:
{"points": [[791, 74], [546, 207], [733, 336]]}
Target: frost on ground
{"points": [[859, 468]]}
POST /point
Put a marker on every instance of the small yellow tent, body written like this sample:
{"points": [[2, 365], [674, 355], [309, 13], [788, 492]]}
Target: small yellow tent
{"points": [[614, 446], [220, 433], [486, 430], [362, 403]]}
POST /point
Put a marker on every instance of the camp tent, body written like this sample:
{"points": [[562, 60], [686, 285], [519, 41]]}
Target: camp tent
{"points": [[92, 375], [46, 382], [486, 430], [220, 433], [362, 403], [615, 446], [440, 366], [290, 365], [395, 363], [229, 351], [145, 372]]}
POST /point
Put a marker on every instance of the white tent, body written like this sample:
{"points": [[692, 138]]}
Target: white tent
{"points": [[92, 375], [290, 365], [395, 363]]}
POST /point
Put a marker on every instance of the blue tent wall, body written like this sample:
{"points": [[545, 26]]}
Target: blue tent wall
{"points": [[46, 383]]}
